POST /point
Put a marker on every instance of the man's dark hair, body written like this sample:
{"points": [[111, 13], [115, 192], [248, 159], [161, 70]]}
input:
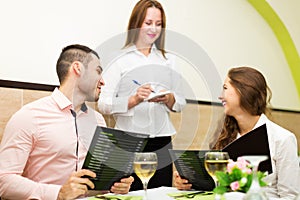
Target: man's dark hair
{"points": [[70, 54]]}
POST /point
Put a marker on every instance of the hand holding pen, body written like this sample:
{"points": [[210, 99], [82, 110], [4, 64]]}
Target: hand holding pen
{"points": [[137, 83], [143, 93]]}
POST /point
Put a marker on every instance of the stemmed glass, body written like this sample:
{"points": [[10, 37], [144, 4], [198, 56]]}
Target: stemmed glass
{"points": [[144, 166], [255, 192], [216, 161]]}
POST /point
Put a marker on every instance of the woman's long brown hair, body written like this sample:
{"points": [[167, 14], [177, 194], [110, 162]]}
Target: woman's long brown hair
{"points": [[254, 98]]}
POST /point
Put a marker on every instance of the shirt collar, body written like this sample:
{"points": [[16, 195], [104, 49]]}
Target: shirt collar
{"points": [[261, 121], [133, 48], [84, 108], [63, 102]]}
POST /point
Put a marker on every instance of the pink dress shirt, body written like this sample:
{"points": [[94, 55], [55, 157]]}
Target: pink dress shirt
{"points": [[38, 149]]}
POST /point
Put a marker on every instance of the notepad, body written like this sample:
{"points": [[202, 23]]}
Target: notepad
{"points": [[111, 155], [157, 94]]}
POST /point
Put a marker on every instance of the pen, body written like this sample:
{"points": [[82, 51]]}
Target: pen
{"points": [[135, 82]]}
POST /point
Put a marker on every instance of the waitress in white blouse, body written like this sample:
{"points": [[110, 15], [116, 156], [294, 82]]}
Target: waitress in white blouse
{"points": [[144, 68]]}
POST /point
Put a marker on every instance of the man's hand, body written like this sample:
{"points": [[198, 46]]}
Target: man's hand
{"points": [[75, 185], [123, 186], [180, 183]]}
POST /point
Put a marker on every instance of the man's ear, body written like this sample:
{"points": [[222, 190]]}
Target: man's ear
{"points": [[76, 67]]}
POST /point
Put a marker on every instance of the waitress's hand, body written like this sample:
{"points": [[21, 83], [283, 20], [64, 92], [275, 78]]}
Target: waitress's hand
{"points": [[167, 99], [180, 183], [141, 94], [162, 99]]}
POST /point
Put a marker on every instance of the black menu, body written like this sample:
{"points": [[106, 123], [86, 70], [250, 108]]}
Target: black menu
{"points": [[111, 155], [190, 166], [254, 142], [190, 163]]}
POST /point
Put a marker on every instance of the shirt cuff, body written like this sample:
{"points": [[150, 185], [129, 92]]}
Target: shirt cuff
{"points": [[49, 192], [178, 104], [120, 105]]}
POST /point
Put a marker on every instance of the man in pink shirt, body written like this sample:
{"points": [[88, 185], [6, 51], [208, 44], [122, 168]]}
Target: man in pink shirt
{"points": [[46, 141]]}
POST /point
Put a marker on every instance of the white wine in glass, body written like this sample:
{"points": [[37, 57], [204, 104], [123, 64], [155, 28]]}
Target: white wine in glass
{"points": [[144, 166], [216, 161]]}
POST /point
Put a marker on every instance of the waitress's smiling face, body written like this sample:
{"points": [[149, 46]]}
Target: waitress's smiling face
{"points": [[151, 27]]}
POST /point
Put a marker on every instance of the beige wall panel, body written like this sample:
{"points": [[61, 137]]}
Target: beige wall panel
{"points": [[201, 121], [10, 102], [197, 122], [288, 120], [32, 95], [194, 124]]}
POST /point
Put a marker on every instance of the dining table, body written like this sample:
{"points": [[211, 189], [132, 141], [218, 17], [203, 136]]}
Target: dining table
{"points": [[160, 193], [166, 193]]}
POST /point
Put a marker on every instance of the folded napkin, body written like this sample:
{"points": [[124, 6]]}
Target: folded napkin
{"points": [[192, 195], [115, 197]]}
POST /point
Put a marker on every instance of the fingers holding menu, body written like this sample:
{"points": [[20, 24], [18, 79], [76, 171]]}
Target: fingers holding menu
{"points": [[123, 186], [180, 183], [76, 185]]}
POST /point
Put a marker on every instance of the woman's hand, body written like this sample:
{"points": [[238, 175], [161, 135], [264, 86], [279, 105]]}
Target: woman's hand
{"points": [[180, 183], [167, 99], [141, 94], [123, 186]]}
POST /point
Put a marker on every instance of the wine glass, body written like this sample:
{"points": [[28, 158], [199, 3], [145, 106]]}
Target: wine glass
{"points": [[255, 192], [216, 161], [144, 166]]}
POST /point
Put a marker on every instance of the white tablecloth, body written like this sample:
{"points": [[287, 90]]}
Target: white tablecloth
{"points": [[153, 194], [161, 193]]}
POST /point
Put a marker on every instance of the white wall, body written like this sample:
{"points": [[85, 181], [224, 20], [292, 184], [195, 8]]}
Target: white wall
{"points": [[231, 32]]}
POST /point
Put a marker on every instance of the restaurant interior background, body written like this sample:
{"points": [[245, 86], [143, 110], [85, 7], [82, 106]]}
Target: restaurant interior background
{"points": [[262, 34]]}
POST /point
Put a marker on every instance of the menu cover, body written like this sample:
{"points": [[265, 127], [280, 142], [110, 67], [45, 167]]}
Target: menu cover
{"points": [[254, 142], [111, 155], [190, 166]]}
